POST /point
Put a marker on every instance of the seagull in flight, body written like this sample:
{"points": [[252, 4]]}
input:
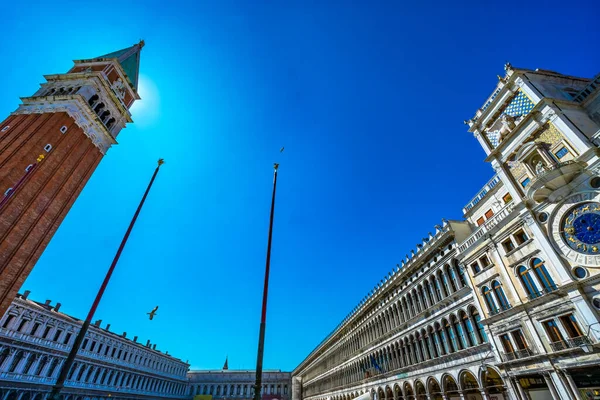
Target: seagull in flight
{"points": [[281, 150], [152, 313]]}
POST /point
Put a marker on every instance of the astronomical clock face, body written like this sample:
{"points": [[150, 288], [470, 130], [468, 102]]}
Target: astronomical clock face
{"points": [[575, 228], [581, 228]]}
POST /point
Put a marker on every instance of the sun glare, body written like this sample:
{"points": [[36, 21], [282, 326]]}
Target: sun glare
{"points": [[145, 112]]}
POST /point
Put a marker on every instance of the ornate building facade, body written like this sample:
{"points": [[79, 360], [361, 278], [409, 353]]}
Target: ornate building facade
{"points": [[502, 305], [49, 147], [230, 384], [35, 339]]}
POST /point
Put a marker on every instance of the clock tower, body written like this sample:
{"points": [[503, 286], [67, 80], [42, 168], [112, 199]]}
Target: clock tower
{"points": [[49, 148]]}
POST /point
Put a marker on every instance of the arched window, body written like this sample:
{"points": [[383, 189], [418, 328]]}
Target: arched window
{"points": [[489, 300], [429, 293], [81, 371], [52, 367], [4, 355], [28, 364], [445, 345], [442, 278], [110, 123], [450, 332], [13, 366], [417, 300], [469, 327], [528, 283], [411, 307], [433, 346], [438, 291], [104, 115], [452, 277], [99, 108], [497, 287], [542, 273], [41, 365], [479, 326], [461, 274], [462, 341]]}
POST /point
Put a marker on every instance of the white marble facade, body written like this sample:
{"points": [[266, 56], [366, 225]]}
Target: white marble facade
{"points": [[35, 339], [506, 303], [233, 384]]}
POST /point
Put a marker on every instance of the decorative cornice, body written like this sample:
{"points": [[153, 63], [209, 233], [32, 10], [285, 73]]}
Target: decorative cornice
{"points": [[78, 110]]}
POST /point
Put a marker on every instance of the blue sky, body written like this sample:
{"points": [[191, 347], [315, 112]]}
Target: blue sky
{"points": [[368, 100]]}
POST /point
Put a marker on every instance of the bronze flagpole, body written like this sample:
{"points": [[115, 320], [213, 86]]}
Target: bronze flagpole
{"points": [[62, 377], [263, 319]]}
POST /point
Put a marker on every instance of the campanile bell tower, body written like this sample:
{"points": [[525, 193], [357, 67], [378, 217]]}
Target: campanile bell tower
{"points": [[49, 148]]}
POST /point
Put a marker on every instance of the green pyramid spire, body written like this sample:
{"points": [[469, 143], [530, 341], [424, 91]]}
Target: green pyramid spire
{"points": [[129, 59]]}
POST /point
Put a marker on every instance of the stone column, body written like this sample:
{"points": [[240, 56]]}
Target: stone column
{"points": [[297, 388], [46, 367], [520, 389], [572, 384], [484, 394], [551, 386]]}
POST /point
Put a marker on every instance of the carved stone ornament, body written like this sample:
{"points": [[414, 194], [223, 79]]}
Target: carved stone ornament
{"points": [[528, 218], [119, 88], [540, 168]]}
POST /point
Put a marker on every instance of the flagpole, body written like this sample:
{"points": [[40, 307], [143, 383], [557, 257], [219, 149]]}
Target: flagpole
{"points": [[62, 377], [263, 318]]}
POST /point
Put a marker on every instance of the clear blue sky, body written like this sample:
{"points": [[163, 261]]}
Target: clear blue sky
{"points": [[369, 101]]}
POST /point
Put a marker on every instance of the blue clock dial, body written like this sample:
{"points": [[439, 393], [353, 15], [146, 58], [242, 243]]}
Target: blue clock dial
{"points": [[581, 228]]}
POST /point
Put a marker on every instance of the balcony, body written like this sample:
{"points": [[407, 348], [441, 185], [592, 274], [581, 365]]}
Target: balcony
{"points": [[486, 227], [516, 355], [579, 341], [482, 193], [496, 311], [546, 185], [541, 293]]}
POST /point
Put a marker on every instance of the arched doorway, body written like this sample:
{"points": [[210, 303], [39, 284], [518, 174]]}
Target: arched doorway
{"points": [[420, 390], [434, 389], [470, 386], [492, 382], [380, 394]]}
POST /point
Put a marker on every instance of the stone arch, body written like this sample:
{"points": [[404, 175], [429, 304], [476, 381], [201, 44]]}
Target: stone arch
{"points": [[491, 380], [434, 389], [420, 392], [12, 395], [409, 394], [449, 386], [397, 392], [380, 393], [468, 382], [389, 395]]}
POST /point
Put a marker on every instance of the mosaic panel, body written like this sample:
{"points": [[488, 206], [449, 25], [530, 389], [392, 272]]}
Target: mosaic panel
{"points": [[494, 138], [519, 106], [549, 135]]}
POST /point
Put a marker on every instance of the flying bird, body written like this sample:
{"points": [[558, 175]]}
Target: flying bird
{"points": [[152, 313], [281, 150]]}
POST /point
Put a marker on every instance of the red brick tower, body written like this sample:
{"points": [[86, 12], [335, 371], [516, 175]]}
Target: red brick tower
{"points": [[49, 147]]}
